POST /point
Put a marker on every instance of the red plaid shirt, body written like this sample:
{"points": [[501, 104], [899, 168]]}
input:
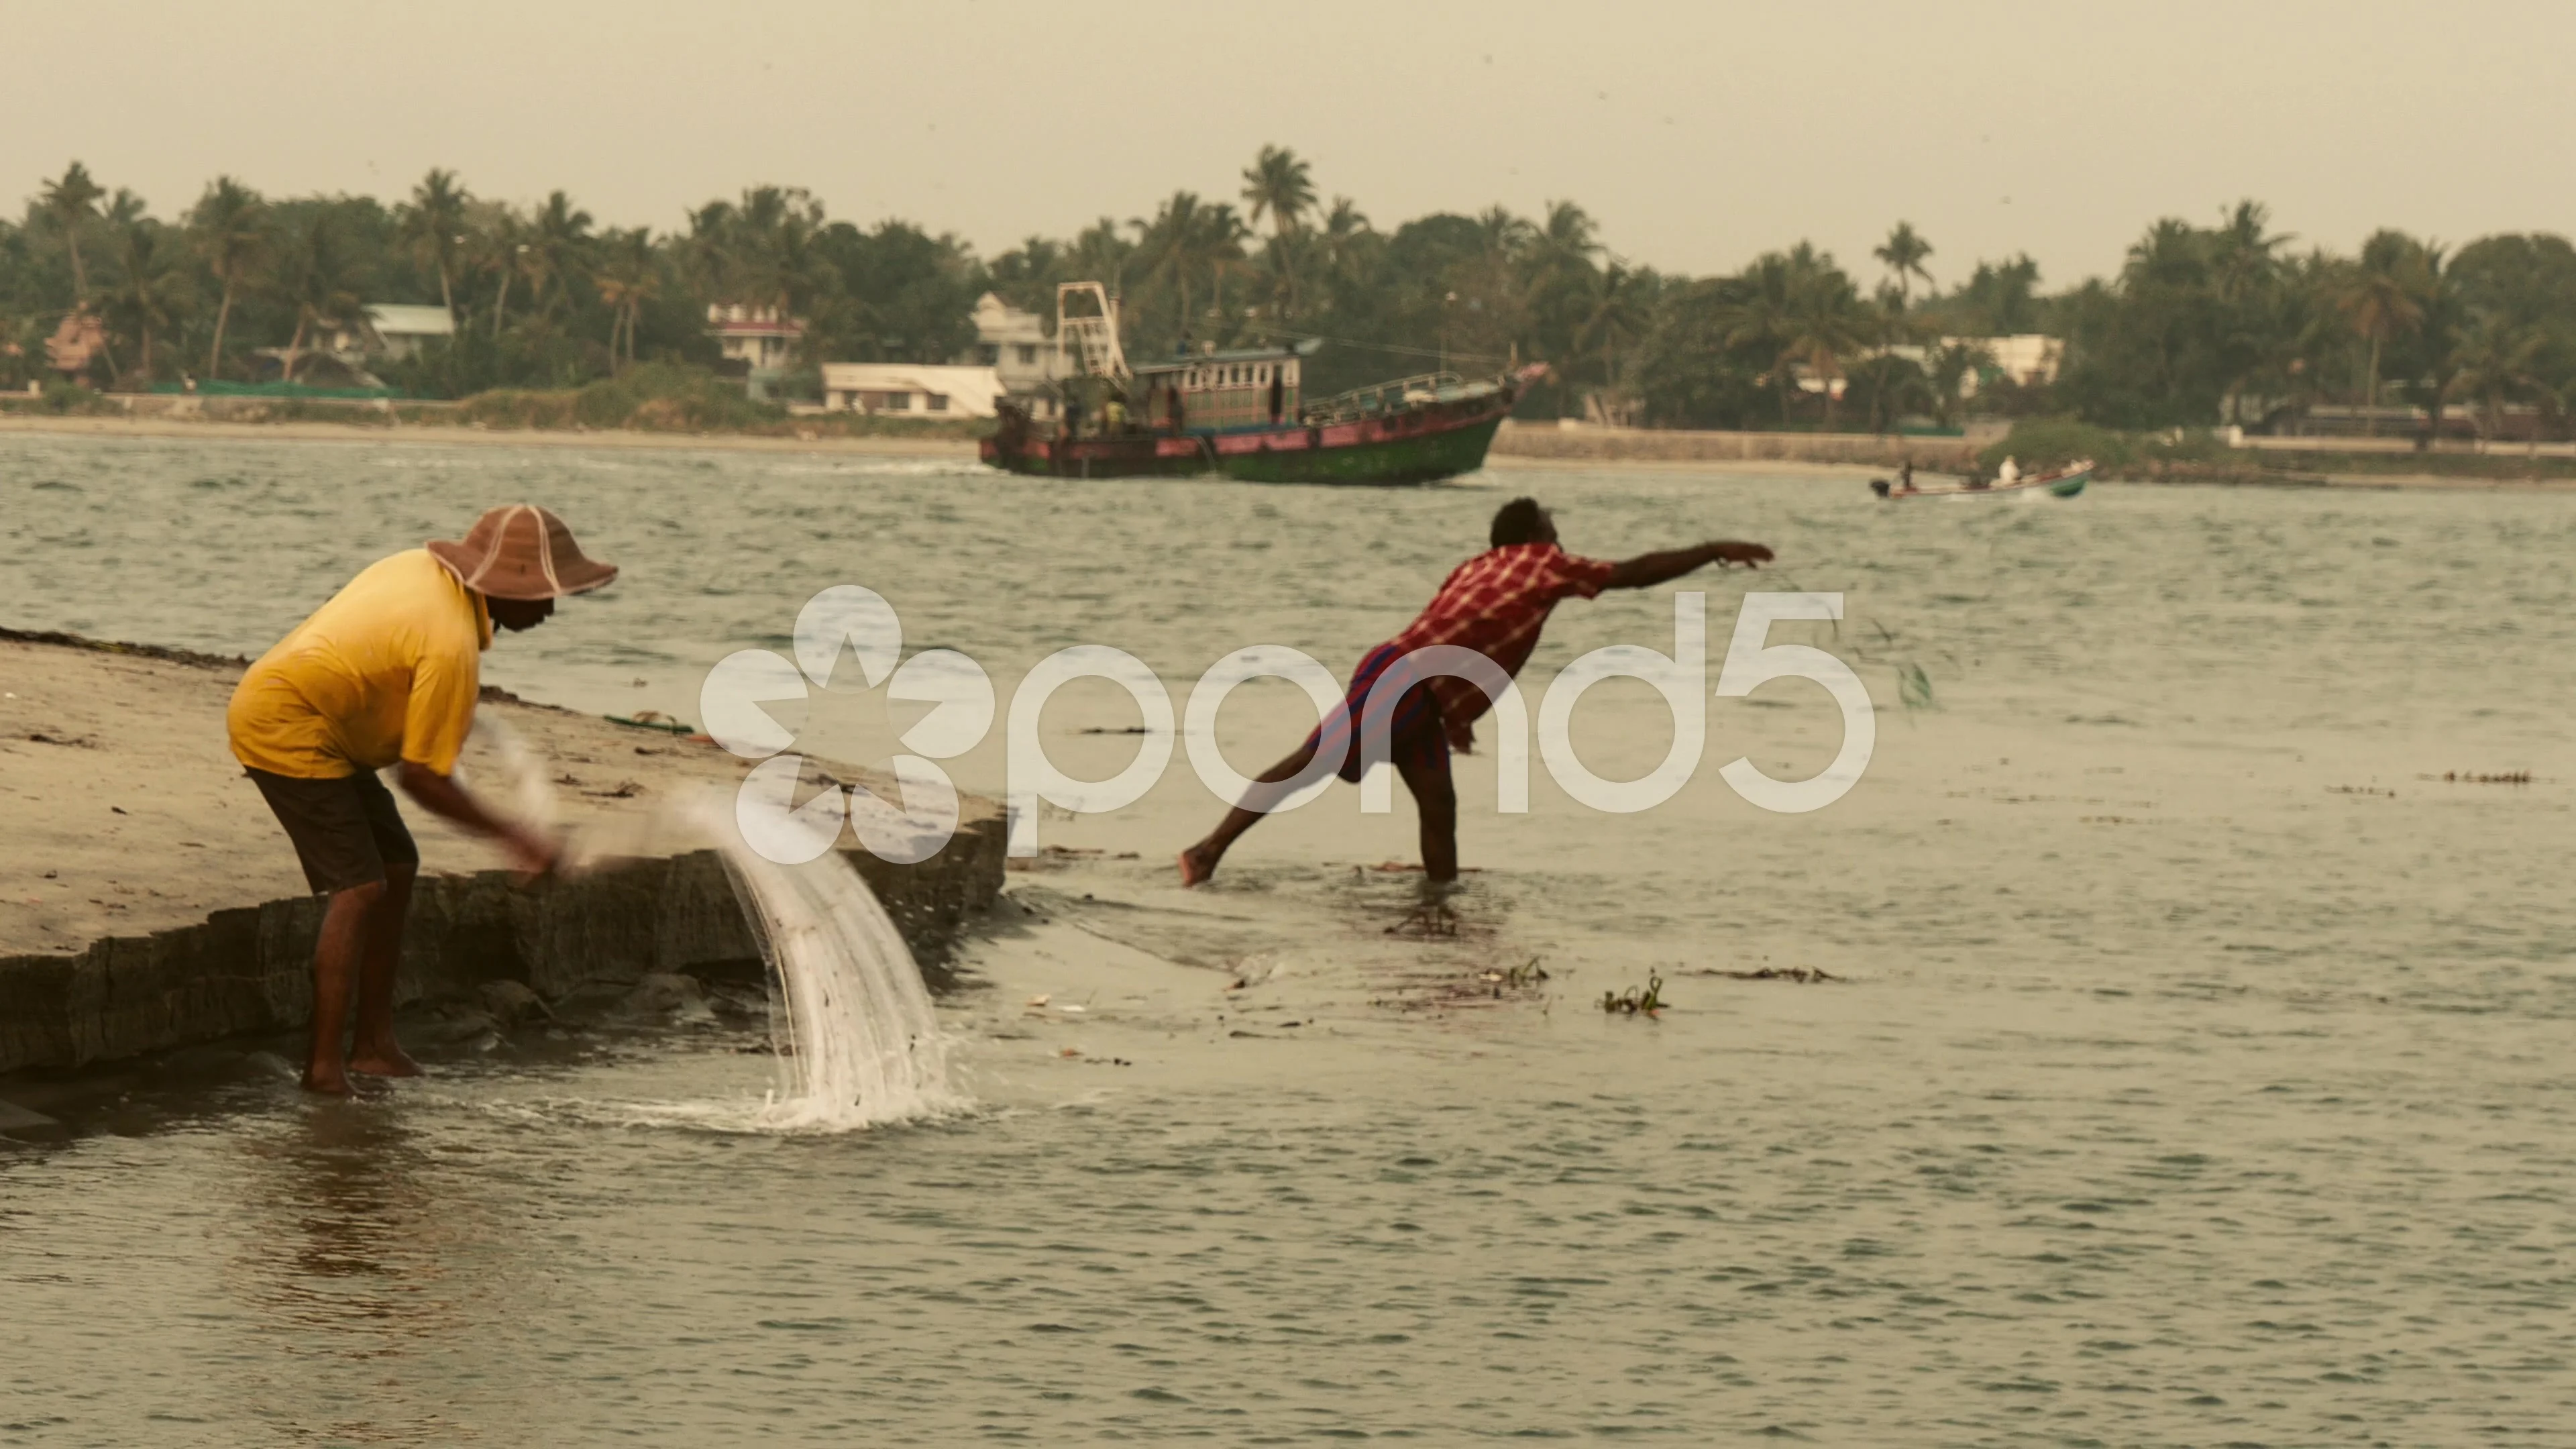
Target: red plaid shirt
{"points": [[1495, 604]]}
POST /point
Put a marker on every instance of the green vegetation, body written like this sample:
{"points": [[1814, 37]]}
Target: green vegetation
{"points": [[1633, 1002], [664, 397], [2201, 327], [655, 396], [2043, 443]]}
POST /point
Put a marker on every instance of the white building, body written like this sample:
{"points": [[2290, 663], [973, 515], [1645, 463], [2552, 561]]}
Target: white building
{"points": [[400, 330], [390, 331], [1016, 346], [2030, 359], [758, 340], [911, 390]]}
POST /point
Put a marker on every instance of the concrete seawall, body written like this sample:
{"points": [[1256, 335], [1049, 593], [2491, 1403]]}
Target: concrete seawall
{"points": [[132, 829], [250, 971], [1660, 445]]}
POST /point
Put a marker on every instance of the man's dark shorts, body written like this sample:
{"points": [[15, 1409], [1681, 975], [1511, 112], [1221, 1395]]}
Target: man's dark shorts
{"points": [[346, 831]]}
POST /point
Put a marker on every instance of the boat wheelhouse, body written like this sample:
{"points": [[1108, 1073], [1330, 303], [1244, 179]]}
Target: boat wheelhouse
{"points": [[1221, 392]]}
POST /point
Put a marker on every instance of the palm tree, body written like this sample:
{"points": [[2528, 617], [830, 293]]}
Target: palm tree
{"points": [[318, 276], [1753, 316], [1561, 279], [1166, 245], [2244, 254], [1099, 254], [1825, 321], [628, 277], [2494, 361], [2437, 333], [1504, 236], [495, 243], [231, 230], [1615, 312], [2378, 301], [1953, 363], [1219, 246], [434, 223], [148, 289], [1904, 252], [72, 201], [558, 245], [2245, 273], [1279, 186], [708, 250]]}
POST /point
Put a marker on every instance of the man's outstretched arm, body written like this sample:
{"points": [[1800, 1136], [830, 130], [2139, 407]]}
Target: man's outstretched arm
{"points": [[1649, 569], [529, 852]]}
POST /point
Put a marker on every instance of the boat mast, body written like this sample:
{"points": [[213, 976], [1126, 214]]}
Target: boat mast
{"points": [[1090, 336]]}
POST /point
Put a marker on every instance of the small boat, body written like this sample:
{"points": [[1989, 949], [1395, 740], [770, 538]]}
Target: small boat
{"points": [[2065, 482], [1238, 414]]}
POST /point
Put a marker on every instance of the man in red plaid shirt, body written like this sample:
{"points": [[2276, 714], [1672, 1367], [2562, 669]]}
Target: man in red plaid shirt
{"points": [[1493, 604]]}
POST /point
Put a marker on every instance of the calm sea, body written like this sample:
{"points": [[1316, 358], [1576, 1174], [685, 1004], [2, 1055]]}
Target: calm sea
{"points": [[2195, 1068]]}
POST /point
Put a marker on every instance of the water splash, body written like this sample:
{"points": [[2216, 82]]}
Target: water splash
{"points": [[859, 1042]]}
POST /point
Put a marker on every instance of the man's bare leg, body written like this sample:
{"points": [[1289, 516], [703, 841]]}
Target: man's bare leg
{"points": [[1437, 798], [335, 969], [1199, 861], [374, 1051]]}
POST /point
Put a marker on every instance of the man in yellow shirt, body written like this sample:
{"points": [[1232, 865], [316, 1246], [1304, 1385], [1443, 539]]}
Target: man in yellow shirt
{"points": [[386, 674]]}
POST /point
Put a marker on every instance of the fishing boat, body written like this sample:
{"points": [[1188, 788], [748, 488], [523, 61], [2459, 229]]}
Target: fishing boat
{"points": [[2064, 482], [1240, 414]]}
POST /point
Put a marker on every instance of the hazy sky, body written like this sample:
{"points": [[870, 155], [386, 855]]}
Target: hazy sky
{"points": [[1698, 134]]}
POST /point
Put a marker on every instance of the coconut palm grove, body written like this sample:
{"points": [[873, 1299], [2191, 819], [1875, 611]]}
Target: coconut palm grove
{"points": [[2204, 325]]}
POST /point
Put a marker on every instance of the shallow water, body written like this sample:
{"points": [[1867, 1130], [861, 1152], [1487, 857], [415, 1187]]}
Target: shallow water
{"points": [[2199, 1073]]}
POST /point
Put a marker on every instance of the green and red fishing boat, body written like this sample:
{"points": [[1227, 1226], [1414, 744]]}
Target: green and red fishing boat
{"points": [[1239, 414]]}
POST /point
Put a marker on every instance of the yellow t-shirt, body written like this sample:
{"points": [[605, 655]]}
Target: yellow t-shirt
{"points": [[388, 670]]}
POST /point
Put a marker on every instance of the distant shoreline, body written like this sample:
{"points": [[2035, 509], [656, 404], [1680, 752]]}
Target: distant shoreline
{"points": [[1501, 458], [314, 432]]}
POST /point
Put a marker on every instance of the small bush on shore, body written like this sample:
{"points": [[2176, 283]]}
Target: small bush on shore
{"points": [[655, 397], [665, 397]]}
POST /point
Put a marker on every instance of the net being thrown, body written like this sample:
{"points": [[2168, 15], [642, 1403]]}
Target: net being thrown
{"points": [[860, 1044]]}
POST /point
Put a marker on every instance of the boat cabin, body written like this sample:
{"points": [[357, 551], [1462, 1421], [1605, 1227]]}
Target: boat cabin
{"points": [[1219, 392]]}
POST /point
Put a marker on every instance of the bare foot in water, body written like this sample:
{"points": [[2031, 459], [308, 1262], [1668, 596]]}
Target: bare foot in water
{"points": [[328, 1084], [384, 1061], [1197, 864]]}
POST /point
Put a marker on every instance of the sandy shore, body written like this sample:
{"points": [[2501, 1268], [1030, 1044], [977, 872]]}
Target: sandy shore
{"points": [[128, 814]]}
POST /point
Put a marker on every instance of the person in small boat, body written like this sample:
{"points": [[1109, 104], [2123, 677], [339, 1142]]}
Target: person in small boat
{"points": [[1495, 604], [2009, 473], [1905, 477]]}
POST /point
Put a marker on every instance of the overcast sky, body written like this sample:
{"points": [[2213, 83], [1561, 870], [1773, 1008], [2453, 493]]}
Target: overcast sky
{"points": [[1698, 133]]}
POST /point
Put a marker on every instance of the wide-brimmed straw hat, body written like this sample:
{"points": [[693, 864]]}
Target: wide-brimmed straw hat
{"points": [[521, 552]]}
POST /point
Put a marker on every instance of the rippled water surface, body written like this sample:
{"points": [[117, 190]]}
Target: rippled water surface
{"points": [[2198, 1071]]}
